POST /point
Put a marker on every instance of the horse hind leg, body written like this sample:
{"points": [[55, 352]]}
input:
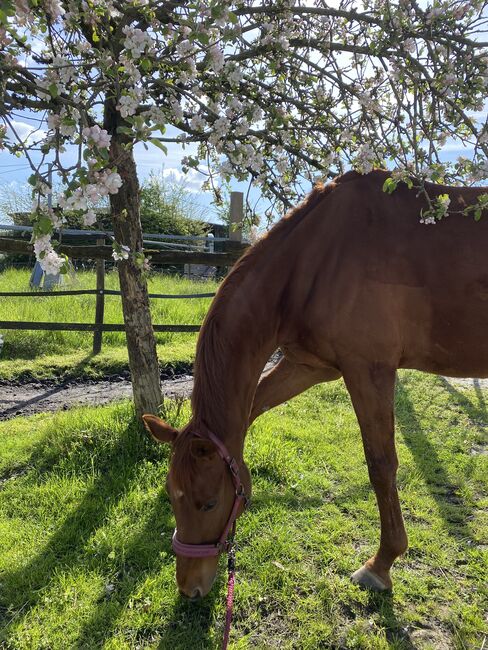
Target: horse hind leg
{"points": [[372, 390], [286, 380]]}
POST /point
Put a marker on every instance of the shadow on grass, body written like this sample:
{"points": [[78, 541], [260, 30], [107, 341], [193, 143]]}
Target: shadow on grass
{"points": [[187, 621], [20, 405], [382, 603], [453, 510], [478, 415], [65, 547], [192, 621], [190, 624]]}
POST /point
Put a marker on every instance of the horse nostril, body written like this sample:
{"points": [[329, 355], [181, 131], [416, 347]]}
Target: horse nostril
{"points": [[196, 594]]}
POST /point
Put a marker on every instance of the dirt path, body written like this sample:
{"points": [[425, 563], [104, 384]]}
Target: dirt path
{"points": [[38, 397], [26, 399]]}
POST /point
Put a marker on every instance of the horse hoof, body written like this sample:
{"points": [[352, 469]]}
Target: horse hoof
{"points": [[366, 578]]}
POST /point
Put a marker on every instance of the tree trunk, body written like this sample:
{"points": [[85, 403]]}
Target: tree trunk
{"points": [[141, 344]]}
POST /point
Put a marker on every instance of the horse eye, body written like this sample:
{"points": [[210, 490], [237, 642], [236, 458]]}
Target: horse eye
{"points": [[209, 506]]}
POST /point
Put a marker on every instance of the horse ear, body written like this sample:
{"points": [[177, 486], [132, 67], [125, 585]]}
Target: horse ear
{"points": [[204, 449], [160, 431]]}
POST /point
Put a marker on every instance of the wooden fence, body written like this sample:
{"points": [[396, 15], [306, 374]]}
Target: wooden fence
{"points": [[100, 252]]}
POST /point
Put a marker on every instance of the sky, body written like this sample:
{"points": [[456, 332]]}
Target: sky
{"points": [[14, 171]]}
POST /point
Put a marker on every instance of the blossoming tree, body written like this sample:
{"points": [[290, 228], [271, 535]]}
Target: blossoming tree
{"points": [[277, 92]]}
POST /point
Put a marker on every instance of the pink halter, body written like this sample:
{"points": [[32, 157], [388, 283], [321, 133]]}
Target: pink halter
{"points": [[225, 540]]}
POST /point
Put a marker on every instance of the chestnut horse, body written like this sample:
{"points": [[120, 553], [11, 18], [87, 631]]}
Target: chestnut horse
{"points": [[350, 284]]}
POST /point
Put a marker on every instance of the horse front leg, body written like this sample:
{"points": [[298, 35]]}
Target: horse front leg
{"points": [[372, 390], [286, 380]]}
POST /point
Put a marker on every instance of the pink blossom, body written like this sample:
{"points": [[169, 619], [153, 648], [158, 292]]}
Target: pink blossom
{"points": [[97, 136]]}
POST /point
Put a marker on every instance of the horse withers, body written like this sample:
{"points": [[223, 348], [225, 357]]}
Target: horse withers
{"points": [[350, 284]]}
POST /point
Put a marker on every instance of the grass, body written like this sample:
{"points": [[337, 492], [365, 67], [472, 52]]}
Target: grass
{"points": [[85, 557], [51, 355]]}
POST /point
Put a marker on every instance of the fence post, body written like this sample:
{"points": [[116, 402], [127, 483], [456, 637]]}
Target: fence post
{"points": [[236, 216], [100, 304]]}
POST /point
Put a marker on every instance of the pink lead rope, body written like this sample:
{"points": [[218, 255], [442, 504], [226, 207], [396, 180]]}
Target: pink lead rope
{"points": [[226, 540], [230, 600], [231, 567]]}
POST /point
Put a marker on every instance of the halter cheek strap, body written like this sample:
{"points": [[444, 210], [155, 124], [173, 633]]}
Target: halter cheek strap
{"points": [[226, 539]]}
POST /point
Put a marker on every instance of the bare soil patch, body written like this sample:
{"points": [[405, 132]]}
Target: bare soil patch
{"points": [[27, 398], [38, 397]]}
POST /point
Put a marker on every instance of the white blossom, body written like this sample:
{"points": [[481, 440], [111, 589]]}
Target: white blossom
{"points": [[51, 262], [112, 182], [216, 58], [121, 252], [53, 120], [427, 220], [129, 103], [42, 244], [54, 9], [184, 48], [433, 14], [365, 159], [136, 41], [97, 136], [197, 123], [282, 165], [89, 218]]}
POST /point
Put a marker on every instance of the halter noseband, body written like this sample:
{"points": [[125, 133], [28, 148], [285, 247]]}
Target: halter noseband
{"points": [[225, 541]]}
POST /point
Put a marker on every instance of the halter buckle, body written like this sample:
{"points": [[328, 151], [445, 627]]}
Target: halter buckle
{"points": [[234, 466]]}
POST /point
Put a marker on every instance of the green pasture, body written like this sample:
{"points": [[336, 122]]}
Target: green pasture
{"points": [[50, 355], [85, 527]]}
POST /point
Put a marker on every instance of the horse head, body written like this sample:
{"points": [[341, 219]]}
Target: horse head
{"points": [[208, 490]]}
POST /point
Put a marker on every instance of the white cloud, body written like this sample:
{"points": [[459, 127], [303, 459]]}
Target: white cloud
{"points": [[27, 133], [192, 181]]}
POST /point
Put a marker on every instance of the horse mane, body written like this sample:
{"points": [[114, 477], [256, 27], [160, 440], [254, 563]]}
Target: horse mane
{"points": [[207, 404]]}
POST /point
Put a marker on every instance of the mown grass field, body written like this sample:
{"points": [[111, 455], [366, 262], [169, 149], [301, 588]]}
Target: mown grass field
{"points": [[85, 527], [50, 355]]}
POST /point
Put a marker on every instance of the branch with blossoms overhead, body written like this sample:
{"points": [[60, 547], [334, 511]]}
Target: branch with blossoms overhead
{"points": [[274, 93]]}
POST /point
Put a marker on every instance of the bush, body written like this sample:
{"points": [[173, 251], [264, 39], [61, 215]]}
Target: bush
{"points": [[166, 207], [169, 208]]}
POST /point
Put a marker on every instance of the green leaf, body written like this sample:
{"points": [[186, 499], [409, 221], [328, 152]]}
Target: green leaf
{"points": [[202, 37], [146, 65], [159, 127], [157, 143], [44, 225], [389, 185], [53, 90]]}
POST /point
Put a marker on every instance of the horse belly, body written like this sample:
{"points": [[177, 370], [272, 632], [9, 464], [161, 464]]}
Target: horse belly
{"points": [[455, 341]]}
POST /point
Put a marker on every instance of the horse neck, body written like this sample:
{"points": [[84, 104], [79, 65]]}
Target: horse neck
{"points": [[236, 341]]}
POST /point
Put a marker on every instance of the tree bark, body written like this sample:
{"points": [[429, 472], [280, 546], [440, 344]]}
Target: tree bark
{"points": [[141, 343]]}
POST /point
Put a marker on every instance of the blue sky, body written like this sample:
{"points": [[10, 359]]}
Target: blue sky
{"points": [[15, 171]]}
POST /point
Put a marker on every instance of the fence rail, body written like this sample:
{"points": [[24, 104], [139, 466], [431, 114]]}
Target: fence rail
{"points": [[87, 327], [108, 233], [100, 252], [96, 292]]}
